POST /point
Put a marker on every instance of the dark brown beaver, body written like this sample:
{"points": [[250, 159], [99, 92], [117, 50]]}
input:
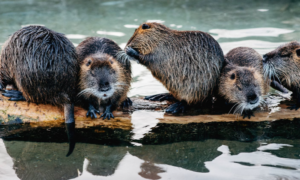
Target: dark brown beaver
{"points": [[187, 63], [283, 64], [42, 65], [105, 75], [242, 81]]}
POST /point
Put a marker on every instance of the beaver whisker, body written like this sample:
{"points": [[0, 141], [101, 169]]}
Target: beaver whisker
{"points": [[232, 107]]}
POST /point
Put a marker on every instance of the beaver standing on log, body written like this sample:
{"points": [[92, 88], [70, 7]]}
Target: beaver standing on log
{"points": [[105, 75], [187, 63], [42, 65], [283, 64], [242, 81]]}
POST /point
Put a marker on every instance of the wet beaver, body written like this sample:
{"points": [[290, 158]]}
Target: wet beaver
{"points": [[242, 81], [105, 75], [42, 65], [283, 64], [187, 63]]}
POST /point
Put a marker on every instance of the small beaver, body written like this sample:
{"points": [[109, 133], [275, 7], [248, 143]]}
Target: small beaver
{"points": [[42, 65], [242, 81], [283, 64], [105, 75], [187, 63]]}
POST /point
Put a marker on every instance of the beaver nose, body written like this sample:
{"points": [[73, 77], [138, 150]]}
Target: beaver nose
{"points": [[104, 86], [252, 98]]}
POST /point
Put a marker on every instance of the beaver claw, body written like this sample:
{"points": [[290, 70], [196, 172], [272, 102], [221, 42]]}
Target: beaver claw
{"points": [[247, 113], [160, 97], [14, 95], [132, 52], [92, 112], [294, 107], [178, 107], [127, 103]]}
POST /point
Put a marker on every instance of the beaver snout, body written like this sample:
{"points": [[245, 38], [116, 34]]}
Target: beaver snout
{"points": [[104, 86], [132, 52], [252, 98]]}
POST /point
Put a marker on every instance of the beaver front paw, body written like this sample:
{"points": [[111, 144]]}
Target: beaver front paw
{"points": [[14, 95], [92, 112], [160, 97], [127, 103], [132, 52], [178, 107], [107, 115], [294, 107], [247, 113]]}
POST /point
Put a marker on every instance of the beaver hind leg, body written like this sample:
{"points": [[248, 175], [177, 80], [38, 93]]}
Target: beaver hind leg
{"points": [[127, 103], [14, 95], [178, 107], [161, 97]]}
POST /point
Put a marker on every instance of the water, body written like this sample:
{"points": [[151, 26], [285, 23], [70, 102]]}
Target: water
{"points": [[262, 25]]}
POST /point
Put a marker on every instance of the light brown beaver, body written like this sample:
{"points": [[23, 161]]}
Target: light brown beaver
{"points": [[283, 64], [105, 75], [42, 65], [187, 63], [242, 82]]}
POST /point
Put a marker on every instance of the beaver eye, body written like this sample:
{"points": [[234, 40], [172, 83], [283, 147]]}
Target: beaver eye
{"points": [[298, 52], [89, 62], [232, 76], [145, 26]]}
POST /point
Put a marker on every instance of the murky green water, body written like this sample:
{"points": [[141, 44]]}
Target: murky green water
{"points": [[262, 25]]}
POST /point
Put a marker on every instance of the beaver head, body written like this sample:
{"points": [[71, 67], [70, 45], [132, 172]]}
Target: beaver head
{"points": [[146, 39], [242, 85], [99, 76], [283, 64]]}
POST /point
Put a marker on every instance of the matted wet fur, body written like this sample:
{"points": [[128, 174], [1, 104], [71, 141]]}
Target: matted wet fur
{"points": [[187, 63], [283, 64], [242, 82], [42, 65], [101, 62]]}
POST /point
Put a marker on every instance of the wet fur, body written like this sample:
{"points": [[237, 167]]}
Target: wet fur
{"points": [[187, 63], [42, 64], [246, 65], [283, 64], [106, 56]]}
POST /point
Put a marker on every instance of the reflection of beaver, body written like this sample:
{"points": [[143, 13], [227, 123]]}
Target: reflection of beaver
{"points": [[104, 76], [42, 65], [283, 64], [188, 63], [242, 81]]}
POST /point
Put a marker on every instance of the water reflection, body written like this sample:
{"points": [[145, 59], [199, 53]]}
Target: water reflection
{"points": [[209, 159]]}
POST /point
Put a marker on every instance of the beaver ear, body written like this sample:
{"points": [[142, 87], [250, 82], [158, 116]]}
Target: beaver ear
{"points": [[298, 52], [145, 26], [226, 62]]}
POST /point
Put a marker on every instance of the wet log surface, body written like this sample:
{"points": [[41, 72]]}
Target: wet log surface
{"points": [[146, 123]]}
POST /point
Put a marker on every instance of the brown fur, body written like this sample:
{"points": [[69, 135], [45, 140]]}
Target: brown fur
{"points": [[187, 63], [245, 65], [283, 64]]}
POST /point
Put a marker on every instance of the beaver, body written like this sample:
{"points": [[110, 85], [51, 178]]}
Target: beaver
{"points": [[187, 63], [242, 81], [283, 65], [105, 75], [42, 65]]}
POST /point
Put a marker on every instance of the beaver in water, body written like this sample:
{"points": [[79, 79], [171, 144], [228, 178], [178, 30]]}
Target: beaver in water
{"points": [[105, 75], [42, 65], [187, 63], [283, 65], [242, 81]]}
